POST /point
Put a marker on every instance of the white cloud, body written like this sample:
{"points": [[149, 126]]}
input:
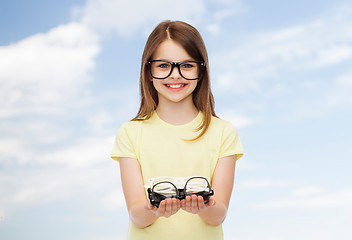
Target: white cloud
{"points": [[8, 147], [35, 186], [314, 200], [340, 93], [213, 28], [308, 190], [128, 17], [239, 121], [294, 73], [114, 200], [333, 55], [264, 183], [102, 237], [260, 57], [231, 7], [83, 153], [115, 15], [2, 216], [43, 71], [46, 74]]}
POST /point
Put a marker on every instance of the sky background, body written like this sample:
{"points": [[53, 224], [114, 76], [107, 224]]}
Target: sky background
{"points": [[280, 71]]}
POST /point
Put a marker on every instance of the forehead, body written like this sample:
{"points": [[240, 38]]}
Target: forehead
{"points": [[172, 51]]}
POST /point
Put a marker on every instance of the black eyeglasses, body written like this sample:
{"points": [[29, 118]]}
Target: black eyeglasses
{"points": [[162, 189], [161, 69]]}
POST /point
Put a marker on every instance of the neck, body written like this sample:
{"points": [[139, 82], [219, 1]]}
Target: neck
{"points": [[177, 113]]}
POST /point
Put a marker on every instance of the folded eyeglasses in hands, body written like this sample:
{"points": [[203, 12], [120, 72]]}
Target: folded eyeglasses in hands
{"points": [[161, 188]]}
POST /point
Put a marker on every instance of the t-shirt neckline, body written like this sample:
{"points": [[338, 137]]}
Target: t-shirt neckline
{"points": [[192, 122]]}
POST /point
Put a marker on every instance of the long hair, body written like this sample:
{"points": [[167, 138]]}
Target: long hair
{"points": [[191, 40]]}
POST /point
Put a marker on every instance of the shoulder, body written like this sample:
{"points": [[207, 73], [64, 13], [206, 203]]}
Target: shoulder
{"points": [[135, 126], [131, 124], [222, 128], [129, 128], [230, 143]]}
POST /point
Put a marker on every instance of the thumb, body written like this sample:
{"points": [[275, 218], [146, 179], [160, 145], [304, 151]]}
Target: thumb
{"points": [[148, 206], [211, 201]]}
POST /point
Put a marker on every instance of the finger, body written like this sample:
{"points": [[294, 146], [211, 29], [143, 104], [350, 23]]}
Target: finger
{"points": [[201, 204], [211, 202], [148, 206], [151, 207], [194, 204], [174, 208], [183, 204], [178, 205], [188, 204], [161, 210], [168, 208]]}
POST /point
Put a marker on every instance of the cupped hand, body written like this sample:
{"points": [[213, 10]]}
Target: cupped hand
{"points": [[195, 204], [166, 208]]}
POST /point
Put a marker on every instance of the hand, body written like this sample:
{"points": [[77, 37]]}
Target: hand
{"points": [[167, 207], [195, 204]]}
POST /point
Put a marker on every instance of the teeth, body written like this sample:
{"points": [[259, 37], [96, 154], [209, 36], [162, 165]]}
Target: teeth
{"points": [[175, 85]]}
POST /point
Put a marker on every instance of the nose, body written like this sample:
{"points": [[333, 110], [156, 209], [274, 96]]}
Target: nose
{"points": [[175, 72]]}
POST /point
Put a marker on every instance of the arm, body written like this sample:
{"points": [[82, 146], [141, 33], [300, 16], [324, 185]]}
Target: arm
{"points": [[214, 213], [141, 212]]}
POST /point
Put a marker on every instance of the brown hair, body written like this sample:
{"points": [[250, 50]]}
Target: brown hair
{"points": [[191, 40]]}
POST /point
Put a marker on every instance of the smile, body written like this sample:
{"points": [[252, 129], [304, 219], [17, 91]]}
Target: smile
{"points": [[175, 86]]}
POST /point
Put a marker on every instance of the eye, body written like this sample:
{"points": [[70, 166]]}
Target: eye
{"points": [[188, 65], [164, 65]]}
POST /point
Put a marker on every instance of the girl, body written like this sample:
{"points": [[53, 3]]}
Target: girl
{"points": [[176, 133]]}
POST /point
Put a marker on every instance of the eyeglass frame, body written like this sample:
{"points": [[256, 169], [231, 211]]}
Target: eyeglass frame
{"points": [[155, 198], [176, 64]]}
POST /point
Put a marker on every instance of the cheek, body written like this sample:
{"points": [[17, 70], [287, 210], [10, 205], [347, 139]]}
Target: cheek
{"points": [[157, 85], [194, 85]]}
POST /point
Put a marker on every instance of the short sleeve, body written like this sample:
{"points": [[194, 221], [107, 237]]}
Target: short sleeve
{"points": [[123, 145], [230, 142]]}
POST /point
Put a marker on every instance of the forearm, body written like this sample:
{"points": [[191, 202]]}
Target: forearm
{"points": [[214, 215], [141, 216], [144, 214]]}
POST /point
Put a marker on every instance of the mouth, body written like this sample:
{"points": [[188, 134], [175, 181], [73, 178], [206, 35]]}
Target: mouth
{"points": [[175, 86]]}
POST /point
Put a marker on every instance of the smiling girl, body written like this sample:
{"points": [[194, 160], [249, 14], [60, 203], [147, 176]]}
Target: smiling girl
{"points": [[177, 134]]}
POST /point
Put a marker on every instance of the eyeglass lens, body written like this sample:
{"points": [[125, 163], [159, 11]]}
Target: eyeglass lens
{"points": [[166, 189], [196, 185]]}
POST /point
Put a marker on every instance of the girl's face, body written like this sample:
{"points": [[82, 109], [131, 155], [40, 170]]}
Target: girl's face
{"points": [[174, 88]]}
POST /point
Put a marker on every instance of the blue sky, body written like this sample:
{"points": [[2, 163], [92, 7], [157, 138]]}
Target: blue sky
{"points": [[280, 72]]}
